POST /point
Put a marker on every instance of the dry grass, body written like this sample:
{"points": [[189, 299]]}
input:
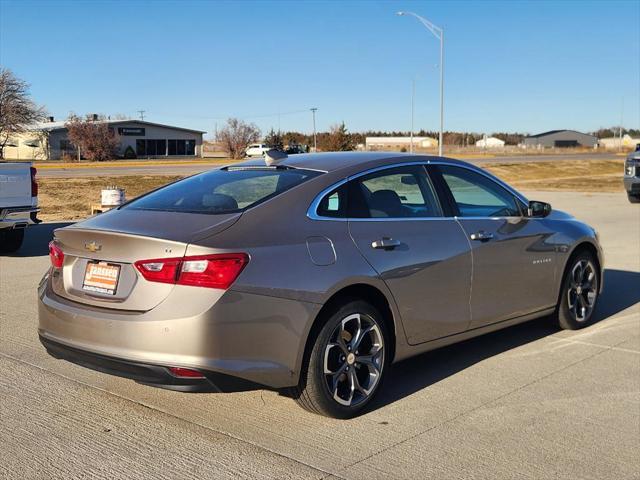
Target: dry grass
{"points": [[582, 176], [71, 198]]}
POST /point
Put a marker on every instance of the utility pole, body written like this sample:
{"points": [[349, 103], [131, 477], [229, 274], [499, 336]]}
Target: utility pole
{"points": [[141, 112], [439, 34], [315, 138], [413, 96], [621, 120]]}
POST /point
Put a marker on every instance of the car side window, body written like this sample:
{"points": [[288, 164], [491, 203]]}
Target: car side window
{"points": [[478, 196], [334, 204], [400, 192]]}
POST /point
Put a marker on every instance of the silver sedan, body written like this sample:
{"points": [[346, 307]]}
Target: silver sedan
{"points": [[310, 274]]}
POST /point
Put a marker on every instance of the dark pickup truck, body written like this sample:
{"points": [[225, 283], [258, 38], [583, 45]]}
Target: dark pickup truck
{"points": [[632, 176]]}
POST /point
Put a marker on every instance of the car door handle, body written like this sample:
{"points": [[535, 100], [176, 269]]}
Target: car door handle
{"points": [[386, 243], [481, 236]]}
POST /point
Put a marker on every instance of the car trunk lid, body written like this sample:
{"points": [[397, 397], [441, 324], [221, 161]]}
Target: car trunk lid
{"points": [[111, 244]]}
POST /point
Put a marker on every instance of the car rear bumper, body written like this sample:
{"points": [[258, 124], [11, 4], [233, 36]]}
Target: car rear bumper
{"points": [[250, 337], [148, 374], [18, 217]]}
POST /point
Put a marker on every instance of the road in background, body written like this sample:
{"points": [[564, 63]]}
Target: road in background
{"points": [[528, 402], [167, 167]]}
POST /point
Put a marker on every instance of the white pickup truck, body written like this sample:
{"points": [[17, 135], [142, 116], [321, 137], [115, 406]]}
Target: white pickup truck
{"points": [[18, 203]]}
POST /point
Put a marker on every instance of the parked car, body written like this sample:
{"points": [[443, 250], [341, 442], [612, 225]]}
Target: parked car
{"points": [[18, 203], [294, 149], [632, 176], [310, 275], [256, 150]]}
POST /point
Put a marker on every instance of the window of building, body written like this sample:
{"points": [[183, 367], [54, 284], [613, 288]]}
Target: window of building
{"points": [[141, 149], [151, 148], [161, 147], [66, 145]]}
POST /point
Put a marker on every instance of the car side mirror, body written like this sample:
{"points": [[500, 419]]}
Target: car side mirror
{"points": [[539, 209]]}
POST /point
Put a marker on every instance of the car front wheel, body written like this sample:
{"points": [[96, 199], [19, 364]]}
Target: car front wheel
{"points": [[633, 198], [579, 292], [346, 364]]}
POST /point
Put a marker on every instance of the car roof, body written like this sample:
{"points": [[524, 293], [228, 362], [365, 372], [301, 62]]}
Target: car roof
{"points": [[334, 161]]}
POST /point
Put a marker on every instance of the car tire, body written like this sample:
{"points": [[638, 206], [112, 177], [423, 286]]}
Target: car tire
{"points": [[338, 378], [11, 240], [579, 292], [633, 198]]}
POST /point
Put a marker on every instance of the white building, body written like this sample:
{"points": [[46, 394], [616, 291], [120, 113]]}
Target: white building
{"points": [[49, 141], [490, 142], [398, 143], [613, 143]]}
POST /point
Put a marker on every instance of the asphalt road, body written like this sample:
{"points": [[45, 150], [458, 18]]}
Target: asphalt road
{"points": [[171, 168], [528, 402]]}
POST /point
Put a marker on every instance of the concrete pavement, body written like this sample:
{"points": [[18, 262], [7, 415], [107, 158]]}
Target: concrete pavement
{"points": [[526, 402]]}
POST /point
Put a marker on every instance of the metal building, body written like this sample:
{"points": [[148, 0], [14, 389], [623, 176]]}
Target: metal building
{"points": [[560, 139], [49, 140]]}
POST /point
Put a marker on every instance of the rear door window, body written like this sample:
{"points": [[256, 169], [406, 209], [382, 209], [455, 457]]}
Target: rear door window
{"points": [[400, 192], [222, 191]]}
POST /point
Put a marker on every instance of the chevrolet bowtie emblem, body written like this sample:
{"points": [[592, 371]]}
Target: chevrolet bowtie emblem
{"points": [[93, 247]]}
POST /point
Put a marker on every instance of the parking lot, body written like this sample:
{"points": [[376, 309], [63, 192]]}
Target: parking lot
{"points": [[526, 402]]}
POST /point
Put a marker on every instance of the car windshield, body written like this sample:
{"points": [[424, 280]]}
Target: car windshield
{"points": [[222, 191]]}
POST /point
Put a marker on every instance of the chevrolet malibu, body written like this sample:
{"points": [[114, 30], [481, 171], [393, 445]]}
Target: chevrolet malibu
{"points": [[310, 275]]}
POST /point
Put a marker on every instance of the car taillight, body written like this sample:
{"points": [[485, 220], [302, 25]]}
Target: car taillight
{"points": [[185, 372], [211, 271], [56, 255], [162, 270], [34, 182]]}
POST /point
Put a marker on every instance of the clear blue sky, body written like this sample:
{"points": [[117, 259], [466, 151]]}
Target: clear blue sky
{"points": [[509, 66]]}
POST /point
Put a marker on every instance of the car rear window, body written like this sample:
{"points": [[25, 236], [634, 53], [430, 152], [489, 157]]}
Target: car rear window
{"points": [[222, 191]]}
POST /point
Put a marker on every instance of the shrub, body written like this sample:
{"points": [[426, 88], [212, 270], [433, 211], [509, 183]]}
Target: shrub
{"points": [[129, 153]]}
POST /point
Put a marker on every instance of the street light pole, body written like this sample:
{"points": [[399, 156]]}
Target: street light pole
{"points": [[413, 96], [315, 138], [439, 34]]}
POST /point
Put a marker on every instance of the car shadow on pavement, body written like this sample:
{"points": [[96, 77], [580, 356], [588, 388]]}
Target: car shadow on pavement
{"points": [[37, 238], [621, 291]]}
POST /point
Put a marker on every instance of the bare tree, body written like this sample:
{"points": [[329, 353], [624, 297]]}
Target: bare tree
{"points": [[236, 135], [17, 110], [338, 139], [94, 140]]}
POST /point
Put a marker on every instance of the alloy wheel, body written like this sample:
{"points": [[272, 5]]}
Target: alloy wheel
{"points": [[354, 359], [583, 289]]}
